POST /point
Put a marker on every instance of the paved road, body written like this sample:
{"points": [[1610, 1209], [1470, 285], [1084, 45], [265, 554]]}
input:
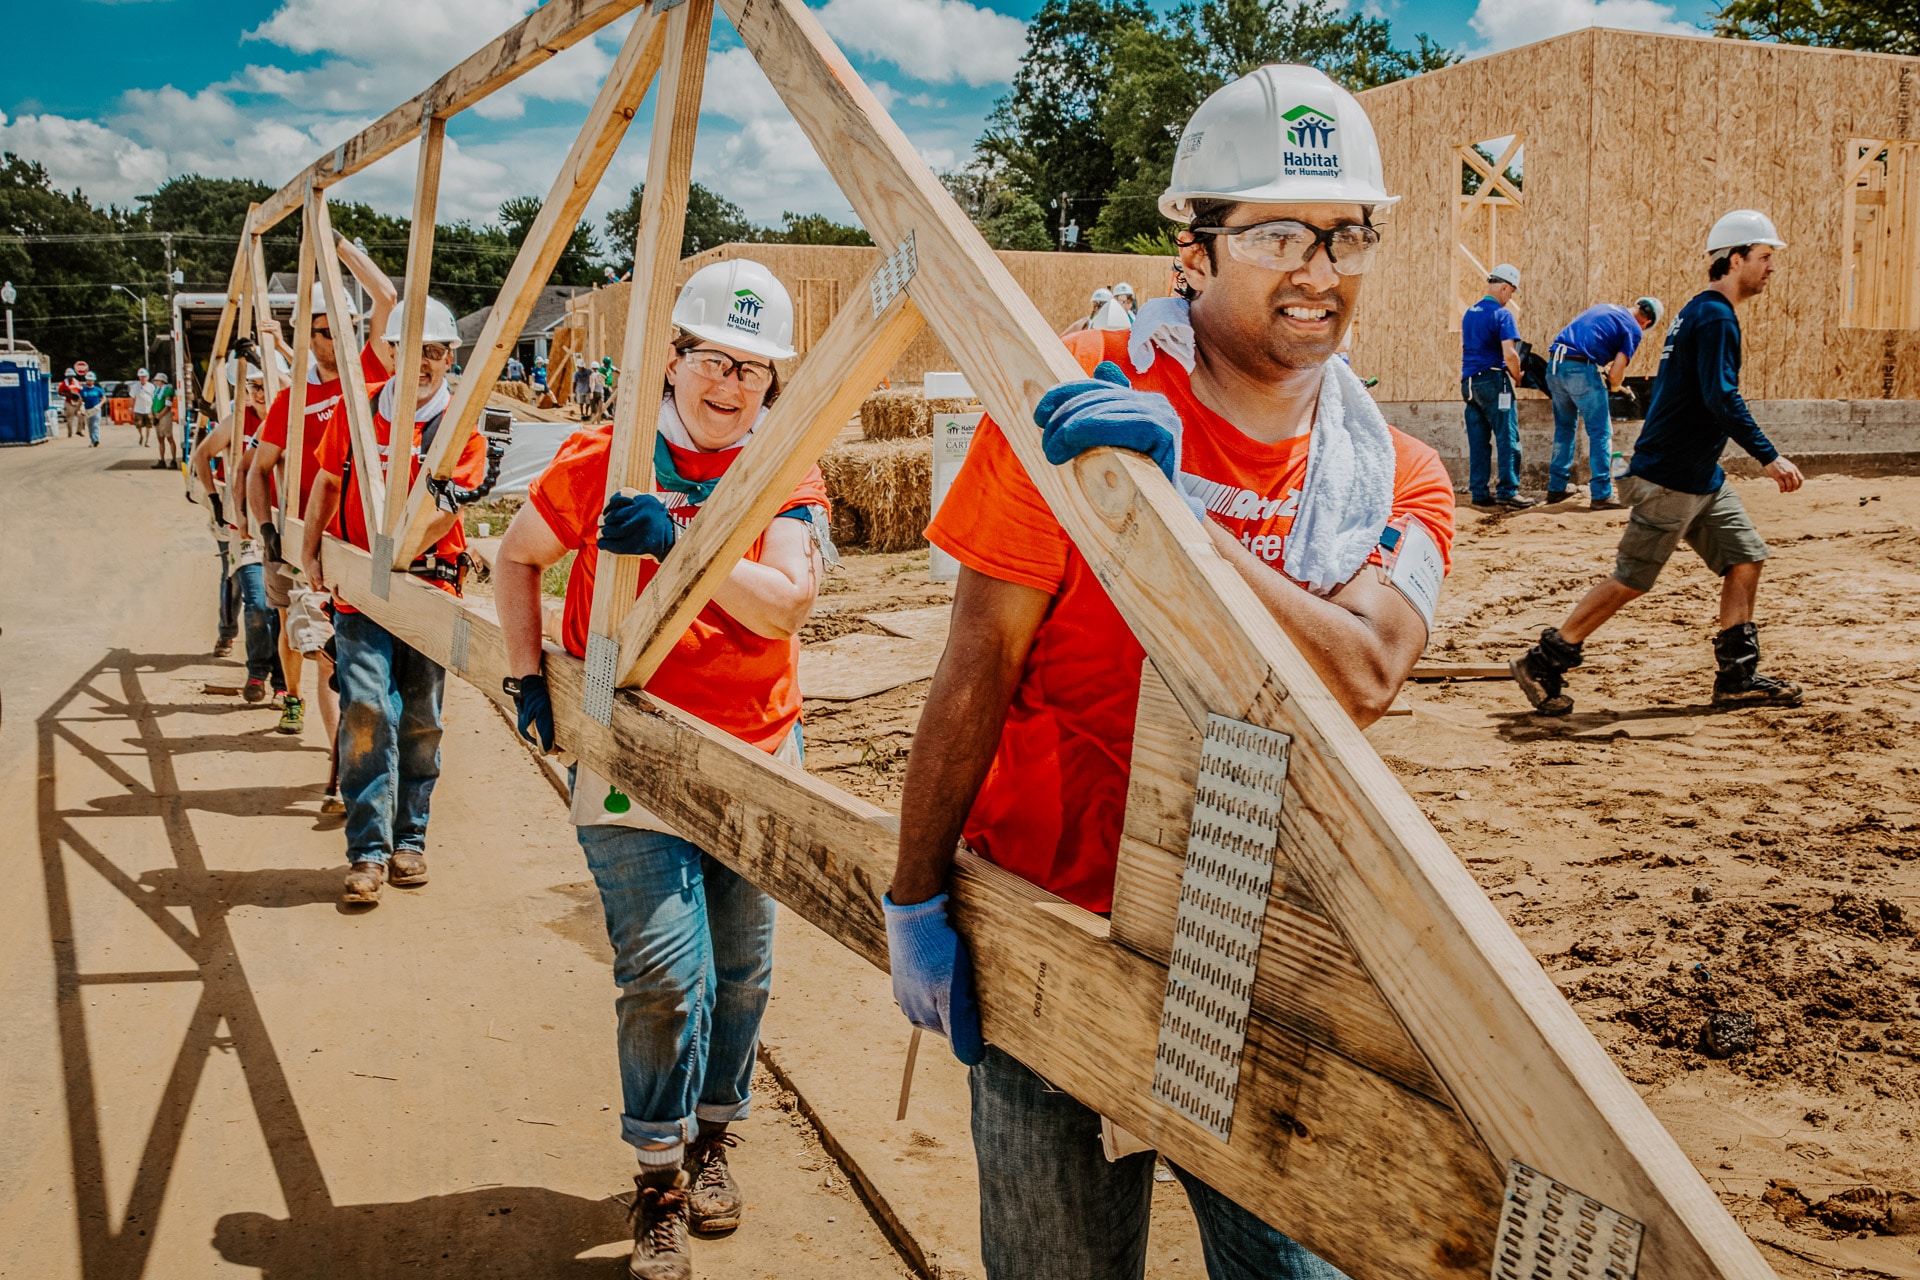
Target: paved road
{"points": [[209, 1068]]}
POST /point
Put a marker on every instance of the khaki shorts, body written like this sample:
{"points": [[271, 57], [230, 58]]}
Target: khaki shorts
{"points": [[309, 625], [282, 582], [1716, 525]]}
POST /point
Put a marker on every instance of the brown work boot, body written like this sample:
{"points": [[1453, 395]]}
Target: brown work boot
{"points": [[363, 884], [661, 1250], [407, 868], [713, 1201]]}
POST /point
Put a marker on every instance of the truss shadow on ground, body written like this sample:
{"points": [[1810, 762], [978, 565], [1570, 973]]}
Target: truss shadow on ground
{"points": [[504, 1232]]}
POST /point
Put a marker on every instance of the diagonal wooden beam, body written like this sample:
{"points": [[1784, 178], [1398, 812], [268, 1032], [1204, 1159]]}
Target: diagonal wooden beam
{"points": [[1494, 178], [369, 476], [1861, 152], [613, 110], [1529, 1076], [406, 360], [854, 353], [293, 457], [555, 26], [656, 263]]}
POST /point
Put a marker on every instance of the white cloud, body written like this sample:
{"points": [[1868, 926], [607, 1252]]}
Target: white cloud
{"points": [[1506, 23], [108, 166], [935, 40]]}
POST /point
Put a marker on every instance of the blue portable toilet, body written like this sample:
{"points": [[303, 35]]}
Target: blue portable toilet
{"points": [[24, 392]]}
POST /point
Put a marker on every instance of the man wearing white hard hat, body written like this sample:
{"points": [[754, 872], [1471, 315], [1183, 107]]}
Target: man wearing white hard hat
{"points": [[143, 407], [390, 692], [692, 941], [1586, 363], [1098, 303], [305, 616], [1124, 295], [1678, 491], [1489, 371], [1339, 524]]}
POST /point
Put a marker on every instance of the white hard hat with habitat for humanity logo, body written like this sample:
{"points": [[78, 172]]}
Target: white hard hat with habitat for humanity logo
{"points": [[440, 326], [1742, 227], [1278, 135], [1101, 297], [1504, 273], [737, 303], [1123, 290]]}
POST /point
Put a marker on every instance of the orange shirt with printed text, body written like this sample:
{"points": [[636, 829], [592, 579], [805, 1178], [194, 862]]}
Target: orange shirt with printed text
{"points": [[322, 398]]}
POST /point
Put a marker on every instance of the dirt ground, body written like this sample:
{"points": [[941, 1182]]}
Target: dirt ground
{"points": [[1674, 869]]}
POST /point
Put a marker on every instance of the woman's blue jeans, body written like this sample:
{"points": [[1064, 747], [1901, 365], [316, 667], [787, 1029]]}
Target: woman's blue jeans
{"points": [[263, 626], [389, 741]]}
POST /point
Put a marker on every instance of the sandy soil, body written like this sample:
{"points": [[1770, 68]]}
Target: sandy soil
{"points": [[1674, 869]]}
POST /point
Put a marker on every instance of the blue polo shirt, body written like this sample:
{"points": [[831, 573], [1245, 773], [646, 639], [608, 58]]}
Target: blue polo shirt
{"points": [[1697, 405], [1482, 329], [1601, 333], [91, 395]]}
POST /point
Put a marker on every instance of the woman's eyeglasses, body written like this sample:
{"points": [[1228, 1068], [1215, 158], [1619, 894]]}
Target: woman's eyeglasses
{"points": [[753, 375]]}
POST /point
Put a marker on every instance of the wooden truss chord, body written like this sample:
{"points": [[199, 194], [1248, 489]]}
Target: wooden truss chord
{"points": [[369, 477], [406, 356], [293, 456], [656, 262], [613, 110]]}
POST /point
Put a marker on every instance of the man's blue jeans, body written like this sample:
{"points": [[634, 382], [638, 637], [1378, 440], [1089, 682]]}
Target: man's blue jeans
{"points": [[229, 592], [693, 957], [389, 738], [93, 424], [1578, 390], [1052, 1205], [1491, 429], [263, 626]]}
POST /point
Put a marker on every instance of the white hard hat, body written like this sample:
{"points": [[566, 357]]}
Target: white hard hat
{"points": [[1113, 315], [1742, 226], [738, 303], [1101, 296], [320, 302], [1123, 290], [440, 325], [1652, 306], [143, 373], [1277, 135], [1505, 273], [253, 370]]}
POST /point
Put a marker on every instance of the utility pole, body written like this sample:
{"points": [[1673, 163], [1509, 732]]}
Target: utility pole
{"points": [[1063, 219], [146, 342], [7, 295]]}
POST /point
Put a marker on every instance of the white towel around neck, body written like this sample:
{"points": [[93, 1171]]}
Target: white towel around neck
{"points": [[1346, 497], [675, 431], [424, 412]]}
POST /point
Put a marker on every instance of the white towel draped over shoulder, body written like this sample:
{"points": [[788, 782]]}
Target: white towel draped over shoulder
{"points": [[1346, 498]]}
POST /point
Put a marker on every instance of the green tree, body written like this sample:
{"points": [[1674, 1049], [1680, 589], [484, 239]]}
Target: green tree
{"points": [[1007, 219], [205, 216], [711, 220], [578, 262], [62, 254], [1879, 26], [812, 228]]}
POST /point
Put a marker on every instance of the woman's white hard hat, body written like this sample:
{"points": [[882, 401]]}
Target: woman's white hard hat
{"points": [[738, 304], [1101, 296], [1278, 135]]}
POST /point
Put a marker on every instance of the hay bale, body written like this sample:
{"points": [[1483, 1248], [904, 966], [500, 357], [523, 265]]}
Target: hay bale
{"points": [[514, 391], [895, 415], [882, 492]]}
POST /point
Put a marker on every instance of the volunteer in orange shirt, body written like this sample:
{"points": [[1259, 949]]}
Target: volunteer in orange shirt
{"points": [[305, 626], [1340, 525], [390, 692], [693, 942]]}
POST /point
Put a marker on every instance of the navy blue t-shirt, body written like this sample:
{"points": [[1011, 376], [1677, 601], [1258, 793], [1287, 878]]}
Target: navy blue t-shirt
{"points": [[1600, 333], [1485, 325], [1696, 404]]}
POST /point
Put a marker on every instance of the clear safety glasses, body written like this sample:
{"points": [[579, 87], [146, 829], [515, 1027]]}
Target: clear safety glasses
{"points": [[1287, 245], [716, 365]]}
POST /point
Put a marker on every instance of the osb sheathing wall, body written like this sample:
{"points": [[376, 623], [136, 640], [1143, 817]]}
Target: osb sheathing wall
{"points": [[1059, 283], [1635, 144]]}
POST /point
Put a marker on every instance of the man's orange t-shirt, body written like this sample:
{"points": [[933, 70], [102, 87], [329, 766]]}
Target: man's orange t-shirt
{"points": [[1053, 801], [734, 679], [336, 444], [322, 398]]}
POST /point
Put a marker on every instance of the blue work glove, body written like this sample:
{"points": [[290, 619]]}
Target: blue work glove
{"points": [[1105, 411], [933, 975], [534, 705], [637, 526]]}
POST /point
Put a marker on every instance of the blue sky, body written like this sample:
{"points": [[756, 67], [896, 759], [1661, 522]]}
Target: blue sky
{"points": [[121, 94]]}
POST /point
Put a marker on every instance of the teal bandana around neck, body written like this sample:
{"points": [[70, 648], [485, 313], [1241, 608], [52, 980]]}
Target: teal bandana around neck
{"points": [[667, 476]]}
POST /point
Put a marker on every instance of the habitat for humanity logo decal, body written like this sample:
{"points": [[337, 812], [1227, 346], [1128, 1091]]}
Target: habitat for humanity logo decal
{"points": [[1312, 129], [745, 315]]}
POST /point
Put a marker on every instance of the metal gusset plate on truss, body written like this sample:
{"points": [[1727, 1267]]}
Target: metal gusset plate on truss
{"points": [[893, 275], [603, 659], [1552, 1232], [382, 564], [1216, 932], [462, 637]]}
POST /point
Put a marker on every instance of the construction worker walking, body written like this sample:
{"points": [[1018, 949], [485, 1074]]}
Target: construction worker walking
{"points": [[390, 692], [1588, 362], [693, 941], [1489, 371], [1024, 743], [1678, 491]]}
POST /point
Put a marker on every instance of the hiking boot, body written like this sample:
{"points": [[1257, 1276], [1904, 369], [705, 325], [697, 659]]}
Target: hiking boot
{"points": [[661, 1250], [223, 646], [407, 868], [256, 690], [713, 1201], [363, 884], [1608, 503], [1740, 683], [1483, 502], [1559, 495], [1518, 502], [332, 803], [1540, 672], [293, 715]]}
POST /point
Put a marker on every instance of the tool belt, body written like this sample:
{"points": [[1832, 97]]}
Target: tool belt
{"points": [[438, 569], [1569, 354]]}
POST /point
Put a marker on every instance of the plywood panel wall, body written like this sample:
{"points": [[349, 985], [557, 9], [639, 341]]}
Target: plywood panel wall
{"points": [[1670, 132]]}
